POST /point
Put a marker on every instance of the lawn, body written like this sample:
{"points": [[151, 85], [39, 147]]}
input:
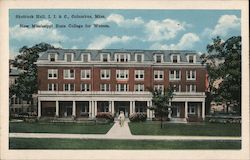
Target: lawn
{"points": [[44, 143], [187, 129], [49, 127]]}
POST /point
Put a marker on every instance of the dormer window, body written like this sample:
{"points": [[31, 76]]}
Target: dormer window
{"points": [[104, 57], [139, 57], [85, 57], [68, 57], [191, 58], [52, 57], [158, 58], [175, 58], [122, 57]]}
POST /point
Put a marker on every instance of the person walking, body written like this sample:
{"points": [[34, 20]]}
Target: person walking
{"points": [[121, 118]]}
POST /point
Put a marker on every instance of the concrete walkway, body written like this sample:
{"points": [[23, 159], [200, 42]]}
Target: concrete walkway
{"points": [[118, 132]]}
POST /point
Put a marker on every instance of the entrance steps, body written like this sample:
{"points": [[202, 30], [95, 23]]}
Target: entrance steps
{"points": [[177, 120]]}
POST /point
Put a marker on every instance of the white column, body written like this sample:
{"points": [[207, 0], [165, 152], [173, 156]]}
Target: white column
{"points": [[90, 109], [95, 113], [148, 104], [152, 112], [131, 107], [74, 109], [186, 109], [39, 109], [203, 110], [113, 107], [57, 109], [110, 107], [198, 110]]}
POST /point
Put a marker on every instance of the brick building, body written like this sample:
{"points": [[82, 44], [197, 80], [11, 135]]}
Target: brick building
{"points": [[80, 83]]}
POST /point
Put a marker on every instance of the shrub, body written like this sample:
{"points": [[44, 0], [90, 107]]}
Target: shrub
{"points": [[106, 116], [138, 117]]}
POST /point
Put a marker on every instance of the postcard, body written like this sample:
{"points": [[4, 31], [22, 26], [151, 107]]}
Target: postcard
{"points": [[124, 80]]}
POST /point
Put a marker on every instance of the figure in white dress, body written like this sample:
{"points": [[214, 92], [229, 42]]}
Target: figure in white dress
{"points": [[121, 118]]}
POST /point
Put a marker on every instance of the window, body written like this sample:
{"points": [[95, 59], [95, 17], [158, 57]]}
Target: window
{"points": [[105, 74], [69, 87], [139, 74], [191, 109], [122, 74], [52, 57], [122, 57], [85, 74], [158, 58], [191, 58], [85, 87], [85, 57], [139, 87], [158, 75], [191, 88], [159, 87], [191, 75], [176, 87], [52, 87], [139, 57], [68, 57], [175, 75], [69, 74], [175, 58], [104, 57], [52, 73], [122, 87], [104, 87]]}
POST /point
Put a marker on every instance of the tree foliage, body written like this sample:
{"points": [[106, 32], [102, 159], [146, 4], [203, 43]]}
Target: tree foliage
{"points": [[224, 63], [26, 83], [161, 102]]}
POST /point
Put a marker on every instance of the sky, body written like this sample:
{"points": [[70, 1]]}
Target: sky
{"points": [[121, 29]]}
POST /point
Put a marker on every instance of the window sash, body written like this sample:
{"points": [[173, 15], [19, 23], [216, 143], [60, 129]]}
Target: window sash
{"points": [[52, 73], [191, 75], [175, 75], [69, 87], [68, 57], [85, 74], [105, 74], [158, 75], [85, 87], [85, 57], [122, 74], [52, 57], [139, 74], [139, 87], [69, 74], [105, 87], [122, 87]]}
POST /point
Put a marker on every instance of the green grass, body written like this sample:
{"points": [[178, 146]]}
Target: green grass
{"points": [[40, 143], [188, 129], [69, 127]]}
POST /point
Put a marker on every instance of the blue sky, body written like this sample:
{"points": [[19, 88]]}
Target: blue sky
{"points": [[128, 29]]}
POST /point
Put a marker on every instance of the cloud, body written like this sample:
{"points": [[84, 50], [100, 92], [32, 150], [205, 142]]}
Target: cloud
{"points": [[163, 30], [74, 47], [225, 24], [187, 41], [121, 21], [103, 41], [37, 34]]}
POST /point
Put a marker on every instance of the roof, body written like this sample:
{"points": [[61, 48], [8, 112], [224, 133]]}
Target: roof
{"points": [[95, 54]]}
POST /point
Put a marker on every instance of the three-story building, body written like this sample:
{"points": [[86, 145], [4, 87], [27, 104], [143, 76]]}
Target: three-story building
{"points": [[81, 83]]}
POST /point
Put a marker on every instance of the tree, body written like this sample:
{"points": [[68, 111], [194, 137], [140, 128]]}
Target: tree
{"points": [[224, 63], [161, 102], [26, 83]]}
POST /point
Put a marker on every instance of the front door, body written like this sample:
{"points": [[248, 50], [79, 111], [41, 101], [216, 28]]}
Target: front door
{"points": [[121, 108], [175, 112]]}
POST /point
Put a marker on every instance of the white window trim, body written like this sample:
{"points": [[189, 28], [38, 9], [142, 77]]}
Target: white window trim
{"points": [[85, 84], [173, 79], [158, 73], [118, 87], [142, 57], [118, 56], [139, 72], [106, 88], [190, 88], [178, 86], [106, 72], [119, 73], [194, 58], [85, 71], [191, 72], [155, 58], [159, 86], [178, 58], [65, 57], [69, 86], [108, 57], [68, 73], [190, 109], [140, 86], [87, 55], [53, 70], [50, 57], [53, 88]]}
